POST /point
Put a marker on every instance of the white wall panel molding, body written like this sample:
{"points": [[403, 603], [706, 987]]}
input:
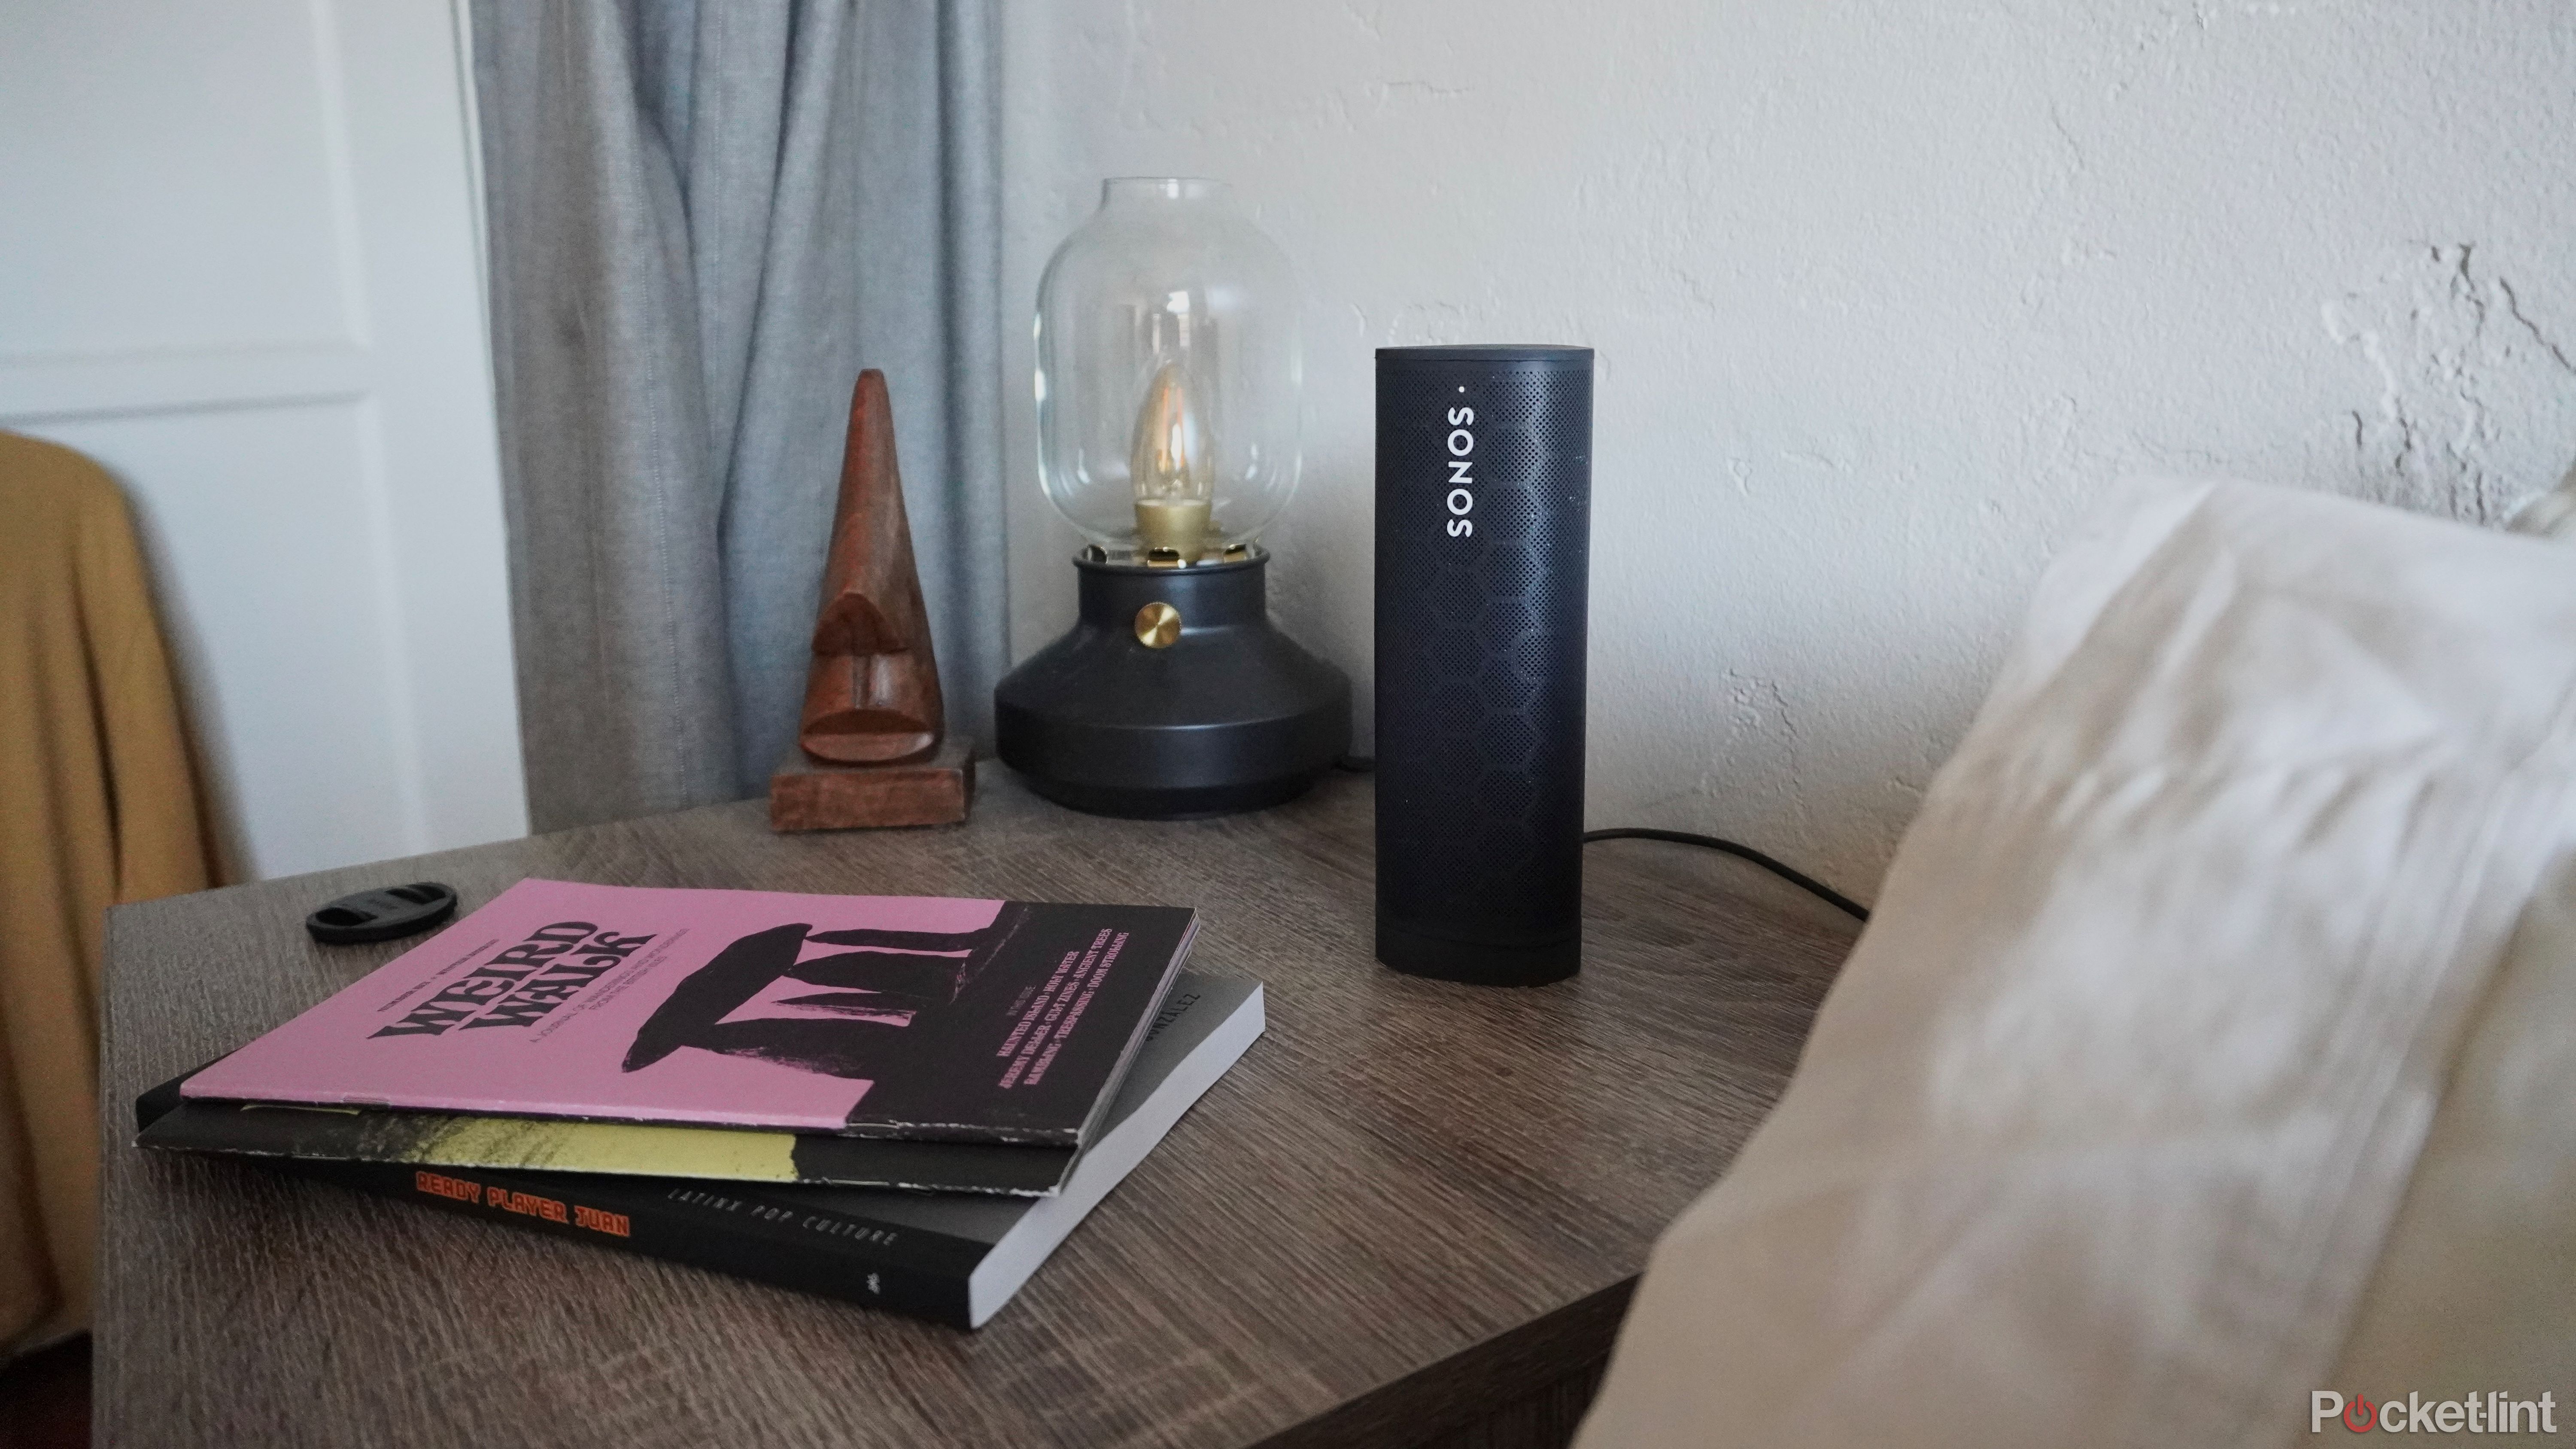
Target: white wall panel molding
{"points": [[116, 385], [240, 266]]}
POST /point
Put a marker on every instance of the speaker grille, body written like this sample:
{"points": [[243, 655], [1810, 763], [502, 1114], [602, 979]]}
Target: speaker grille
{"points": [[1480, 641]]}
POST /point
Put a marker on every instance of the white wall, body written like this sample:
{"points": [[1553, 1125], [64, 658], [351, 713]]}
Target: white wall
{"points": [[1885, 294], [239, 267]]}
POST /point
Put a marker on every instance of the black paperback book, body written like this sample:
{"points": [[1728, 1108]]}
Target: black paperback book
{"points": [[502, 1144], [953, 1258]]}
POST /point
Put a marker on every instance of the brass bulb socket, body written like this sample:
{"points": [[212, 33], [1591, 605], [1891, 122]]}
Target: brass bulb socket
{"points": [[1179, 525]]}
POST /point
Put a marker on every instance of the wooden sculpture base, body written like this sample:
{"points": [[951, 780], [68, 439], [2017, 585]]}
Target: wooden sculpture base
{"points": [[808, 795]]}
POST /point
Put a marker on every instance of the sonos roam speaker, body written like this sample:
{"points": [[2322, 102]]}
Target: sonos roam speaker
{"points": [[1484, 501]]}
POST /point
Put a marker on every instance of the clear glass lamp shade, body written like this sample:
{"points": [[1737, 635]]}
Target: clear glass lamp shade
{"points": [[1168, 373]]}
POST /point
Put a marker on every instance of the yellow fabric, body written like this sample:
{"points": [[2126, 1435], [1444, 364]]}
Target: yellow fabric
{"points": [[98, 805]]}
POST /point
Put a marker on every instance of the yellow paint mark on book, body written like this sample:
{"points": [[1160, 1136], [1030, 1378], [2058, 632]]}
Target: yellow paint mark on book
{"points": [[610, 1147]]}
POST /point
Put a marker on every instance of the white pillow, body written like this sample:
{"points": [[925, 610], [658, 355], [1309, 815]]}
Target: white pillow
{"points": [[2100, 1136]]}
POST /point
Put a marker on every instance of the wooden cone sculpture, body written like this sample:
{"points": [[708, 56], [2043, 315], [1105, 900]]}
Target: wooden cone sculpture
{"points": [[871, 736]]}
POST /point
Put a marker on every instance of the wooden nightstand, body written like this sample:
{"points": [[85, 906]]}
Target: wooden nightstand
{"points": [[1411, 1216]]}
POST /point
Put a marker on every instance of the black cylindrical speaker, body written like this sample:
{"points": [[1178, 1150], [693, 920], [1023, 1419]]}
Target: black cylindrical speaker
{"points": [[1484, 532]]}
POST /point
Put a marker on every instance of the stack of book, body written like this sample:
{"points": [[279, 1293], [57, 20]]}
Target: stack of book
{"points": [[904, 1101]]}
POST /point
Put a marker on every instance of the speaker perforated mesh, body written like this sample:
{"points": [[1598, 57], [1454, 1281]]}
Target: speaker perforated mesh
{"points": [[1480, 641]]}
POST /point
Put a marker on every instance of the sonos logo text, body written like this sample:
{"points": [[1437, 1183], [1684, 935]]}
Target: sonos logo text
{"points": [[1462, 476]]}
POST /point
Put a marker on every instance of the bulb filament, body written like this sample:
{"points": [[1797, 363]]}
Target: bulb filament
{"points": [[1173, 466]]}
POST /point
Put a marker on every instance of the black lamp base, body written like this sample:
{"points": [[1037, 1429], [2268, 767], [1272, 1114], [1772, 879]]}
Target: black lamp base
{"points": [[1229, 715]]}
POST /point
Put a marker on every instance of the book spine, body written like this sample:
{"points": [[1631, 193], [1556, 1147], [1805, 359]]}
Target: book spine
{"points": [[651, 1217]]}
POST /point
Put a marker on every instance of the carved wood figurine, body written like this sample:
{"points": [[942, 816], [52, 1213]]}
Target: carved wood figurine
{"points": [[871, 737], [872, 695]]}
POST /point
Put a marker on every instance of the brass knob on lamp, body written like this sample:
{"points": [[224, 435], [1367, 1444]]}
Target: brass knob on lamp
{"points": [[1157, 625]]}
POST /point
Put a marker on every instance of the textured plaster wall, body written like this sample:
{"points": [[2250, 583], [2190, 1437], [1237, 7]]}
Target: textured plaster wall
{"points": [[1885, 295]]}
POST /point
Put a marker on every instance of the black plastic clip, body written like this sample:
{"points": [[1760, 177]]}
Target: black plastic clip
{"points": [[382, 915]]}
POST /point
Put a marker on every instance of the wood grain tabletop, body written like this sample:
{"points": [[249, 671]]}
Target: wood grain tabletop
{"points": [[1411, 1204]]}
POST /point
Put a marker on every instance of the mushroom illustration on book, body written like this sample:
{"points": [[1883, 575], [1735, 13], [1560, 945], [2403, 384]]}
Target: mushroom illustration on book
{"points": [[896, 1016], [764, 997]]}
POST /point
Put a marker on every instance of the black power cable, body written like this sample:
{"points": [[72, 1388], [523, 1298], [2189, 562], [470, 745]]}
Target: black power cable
{"points": [[1791, 874], [1363, 764]]}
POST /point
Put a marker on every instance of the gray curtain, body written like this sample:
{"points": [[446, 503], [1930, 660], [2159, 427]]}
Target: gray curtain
{"points": [[705, 217]]}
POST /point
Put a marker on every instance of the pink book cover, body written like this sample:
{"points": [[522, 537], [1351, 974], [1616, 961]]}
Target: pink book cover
{"points": [[885, 1016]]}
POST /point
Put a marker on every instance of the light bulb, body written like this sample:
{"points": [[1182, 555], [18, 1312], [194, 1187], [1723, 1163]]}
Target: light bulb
{"points": [[1167, 378], [1173, 467]]}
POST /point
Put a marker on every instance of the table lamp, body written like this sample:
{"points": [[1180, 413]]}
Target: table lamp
{"points": [[1168, 415]]}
